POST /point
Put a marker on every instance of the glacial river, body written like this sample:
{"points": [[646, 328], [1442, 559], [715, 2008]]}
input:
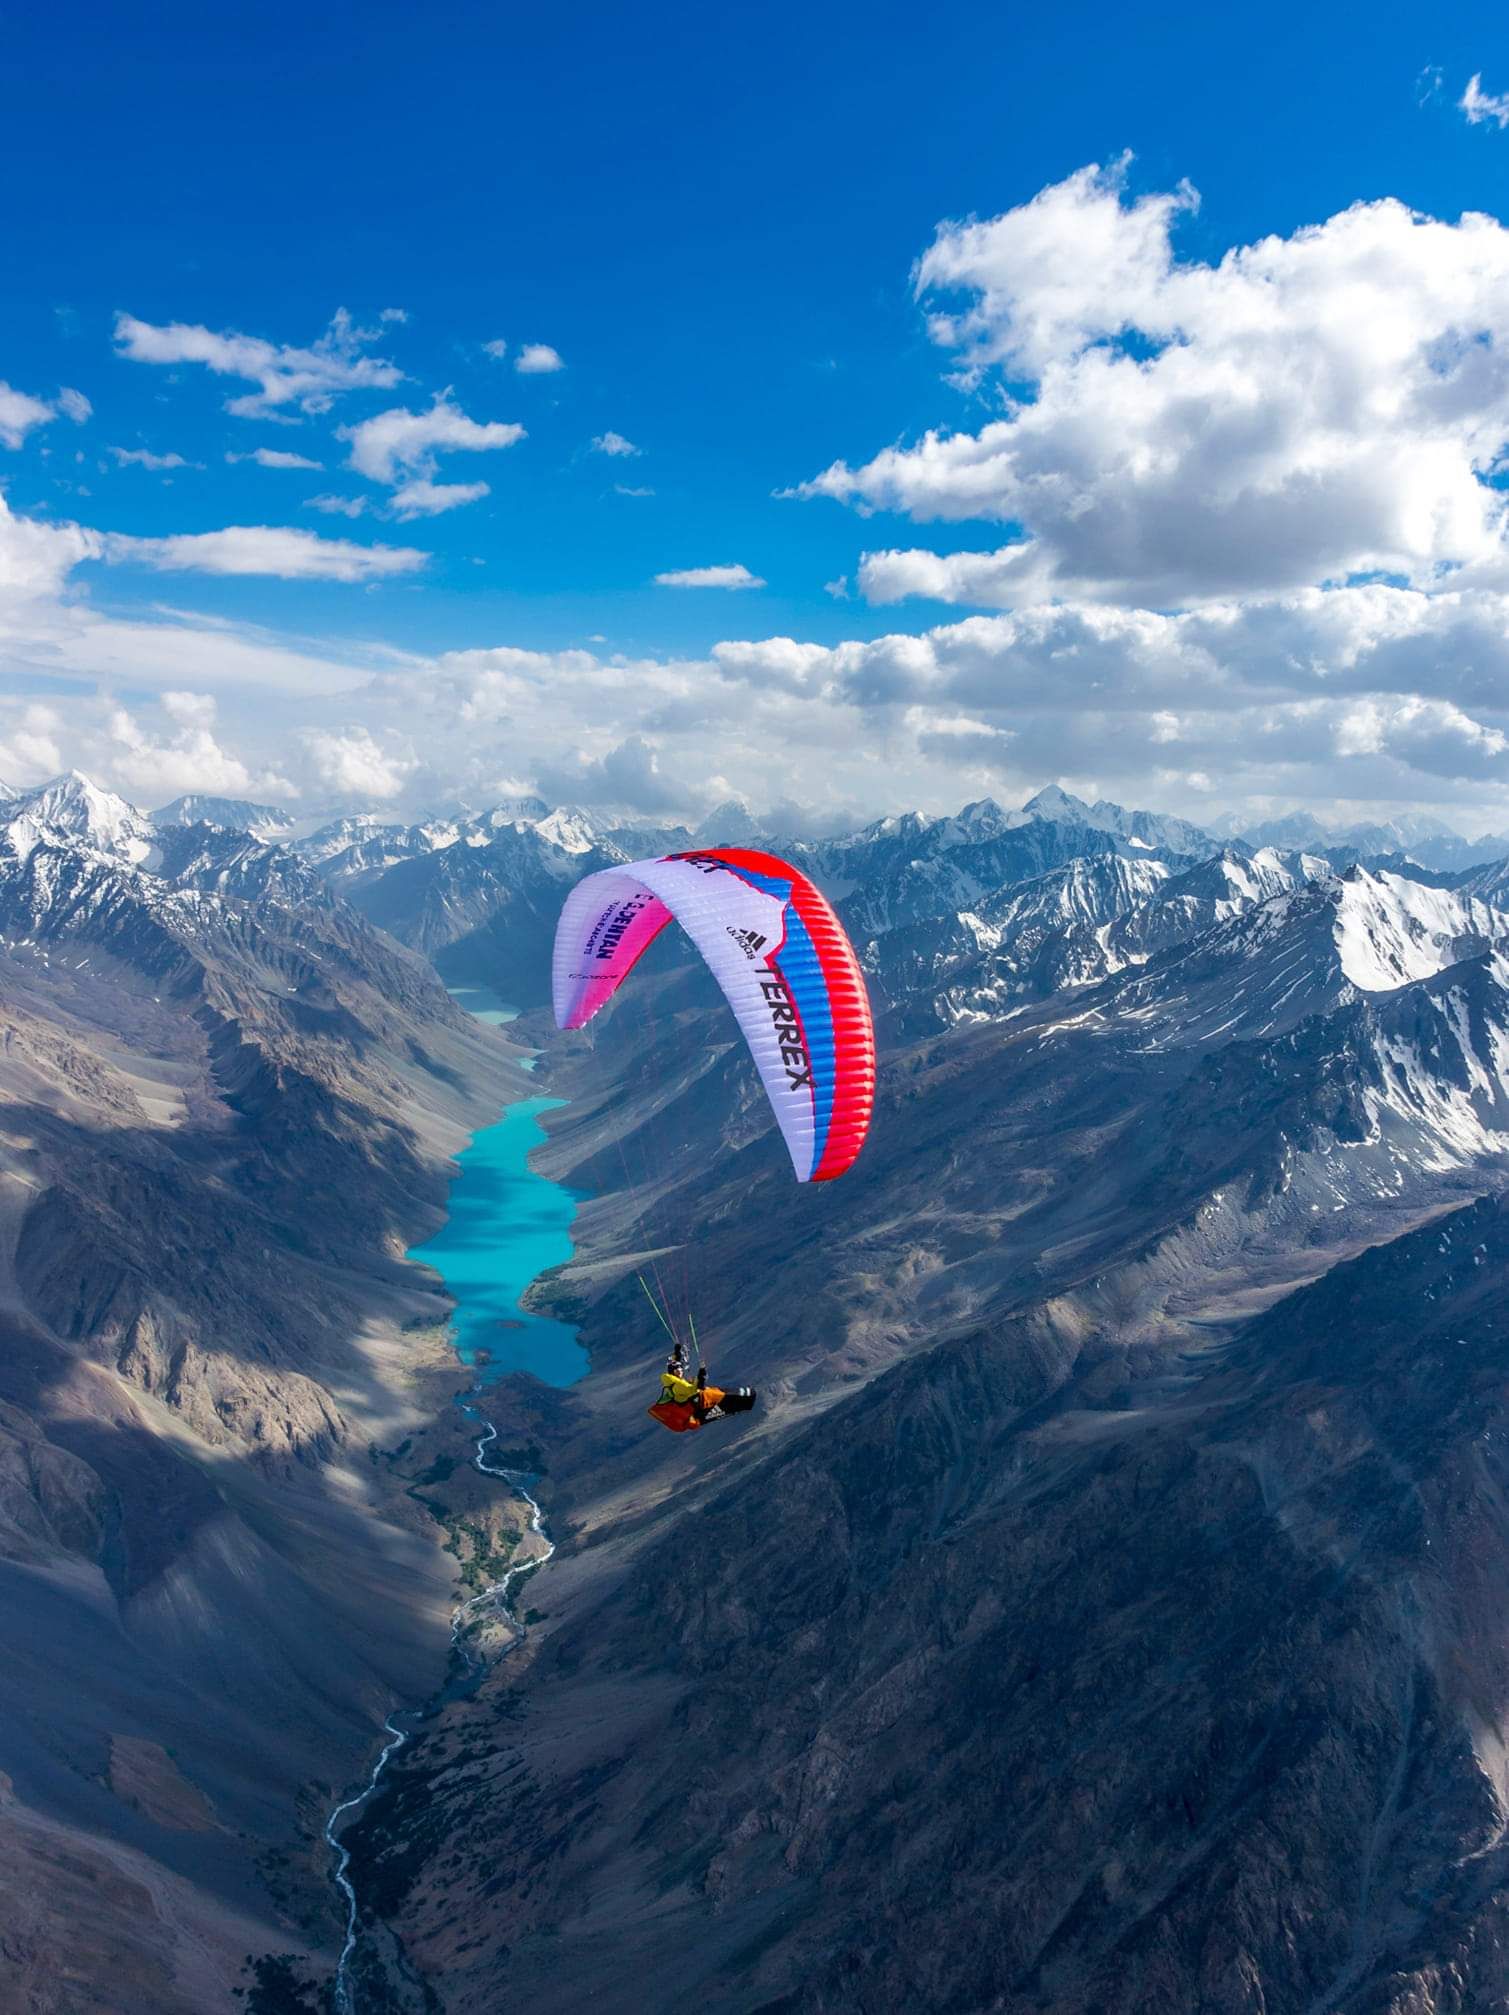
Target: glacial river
{"points": [[504, 1226]]}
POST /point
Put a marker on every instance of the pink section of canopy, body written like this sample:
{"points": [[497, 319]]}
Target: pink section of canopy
{"points": [[589, 994]]}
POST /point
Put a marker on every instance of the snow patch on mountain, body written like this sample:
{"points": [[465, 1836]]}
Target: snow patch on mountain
{"points": [[1391, 930], [1442, 1051]]}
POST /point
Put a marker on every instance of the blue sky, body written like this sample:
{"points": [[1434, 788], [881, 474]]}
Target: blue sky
{"points": [[713, 222]]}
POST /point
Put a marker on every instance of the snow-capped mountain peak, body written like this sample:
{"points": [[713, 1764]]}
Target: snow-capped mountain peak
{"points": [[729, 824], [1053, 803], [570, 830], [78, 808], [263, 822]]}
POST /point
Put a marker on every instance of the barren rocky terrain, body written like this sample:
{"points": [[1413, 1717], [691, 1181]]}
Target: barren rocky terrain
{"points": [[222, 1119], [1099, 1610]]}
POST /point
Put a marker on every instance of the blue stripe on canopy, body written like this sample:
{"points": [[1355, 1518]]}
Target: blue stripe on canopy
{"points": [[798, 964]]}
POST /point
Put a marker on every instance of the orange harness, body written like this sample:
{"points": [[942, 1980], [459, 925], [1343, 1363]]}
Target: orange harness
{"points": [[681, 1414]]}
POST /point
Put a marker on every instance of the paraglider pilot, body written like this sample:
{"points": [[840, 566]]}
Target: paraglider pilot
{"points": [[674, 1383], [686, 1402]]}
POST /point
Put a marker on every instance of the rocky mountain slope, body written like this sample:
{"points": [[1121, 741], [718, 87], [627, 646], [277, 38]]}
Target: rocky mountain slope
{"points": [[1094, 1612], [225, 1109], [1032, 1678]]}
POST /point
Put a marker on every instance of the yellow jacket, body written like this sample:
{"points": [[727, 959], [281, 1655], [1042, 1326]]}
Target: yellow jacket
{"points": [[678, 1389]]}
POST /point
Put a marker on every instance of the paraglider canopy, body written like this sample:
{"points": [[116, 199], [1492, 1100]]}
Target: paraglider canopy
{"points": [[783, 960]]}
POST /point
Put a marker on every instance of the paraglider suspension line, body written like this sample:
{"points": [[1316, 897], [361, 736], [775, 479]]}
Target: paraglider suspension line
{"points": [[664, 1324]]}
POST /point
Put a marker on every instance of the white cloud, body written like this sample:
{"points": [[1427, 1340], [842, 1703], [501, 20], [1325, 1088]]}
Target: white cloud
{"points": [[30, 743], [401, 448], [36, 558], [394, 315], [614, 444], [838, 589], [1308, 409], [1371, 696], [143, 458], [1480, 105], [424, 499], [340, 507], [1430, 735], [353, 763], [496, 348], [20, 413], [779, 661], [187, 758], [285, 375], [536, 358], [279, 550], [190, 710], [47, 633], [710, 577], [488, 685], [627, 778], [632, 490], [274, 458]]}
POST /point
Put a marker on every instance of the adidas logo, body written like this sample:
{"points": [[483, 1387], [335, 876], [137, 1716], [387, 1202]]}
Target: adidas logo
{"points": [[749, 942]]}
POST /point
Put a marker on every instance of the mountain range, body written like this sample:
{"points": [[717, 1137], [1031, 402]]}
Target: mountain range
{"points": [[1077, 1627], [226, 1106], [1097, 1611]]}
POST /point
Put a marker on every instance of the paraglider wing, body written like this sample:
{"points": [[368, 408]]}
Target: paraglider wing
{"points": [[785, 966]]}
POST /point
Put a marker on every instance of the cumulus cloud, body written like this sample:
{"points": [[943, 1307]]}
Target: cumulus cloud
{"points": [[30, 743], [187, 758], [36, 558], [1371, 695], [1317, 645], [275, 458], [400, 442], [537, 358], [20, 413], [627, 778], [401, 448], [144, 458], [1481, 106], [278, 550], [309, 378], [337, 507], [1307, 409], [488, 686], [779, 661], [613, 444], [710, 577], [424, 499], [1430, 735], [497, 348], [356, 765], [74, 406]]}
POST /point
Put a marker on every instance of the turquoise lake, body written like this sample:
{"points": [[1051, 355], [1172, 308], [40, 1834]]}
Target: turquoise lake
{"points": [[506, 1226]]}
